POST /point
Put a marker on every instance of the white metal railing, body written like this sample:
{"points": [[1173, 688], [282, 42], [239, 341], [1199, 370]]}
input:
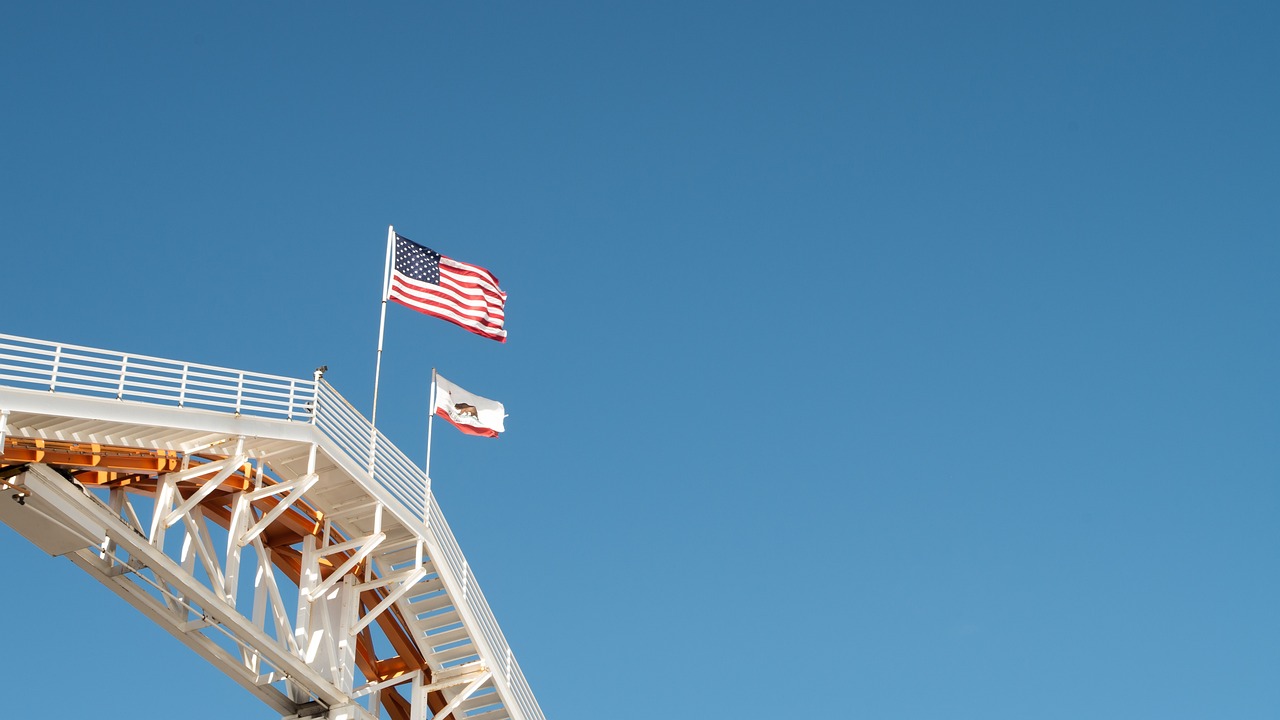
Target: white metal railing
{"points": [[405, 481], [353, 434], [76, 370], [506, 670], [39, 365]]}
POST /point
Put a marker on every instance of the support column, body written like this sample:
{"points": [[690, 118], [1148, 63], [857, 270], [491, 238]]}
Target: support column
{"points": [[308, 578], [418, 709], [349, 606]]}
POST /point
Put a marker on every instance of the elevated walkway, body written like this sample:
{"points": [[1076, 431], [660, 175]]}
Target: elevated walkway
{"points": [[263, 522]]}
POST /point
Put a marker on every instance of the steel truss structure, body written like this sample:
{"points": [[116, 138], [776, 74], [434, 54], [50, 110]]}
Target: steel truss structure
{"points": [[263, 522]]}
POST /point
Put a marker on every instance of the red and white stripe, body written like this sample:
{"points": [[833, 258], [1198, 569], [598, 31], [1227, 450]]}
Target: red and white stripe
{"points": [[468, 296]]}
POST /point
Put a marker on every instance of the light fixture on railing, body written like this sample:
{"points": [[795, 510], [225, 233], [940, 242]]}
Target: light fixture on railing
{"points": [[320, 371]]}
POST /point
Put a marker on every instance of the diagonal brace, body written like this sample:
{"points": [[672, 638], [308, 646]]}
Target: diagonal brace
{"points": [[203, 468], [285, 502], [276, 489], [228, 466], [462, 696], [373, 542], [391, 597]]}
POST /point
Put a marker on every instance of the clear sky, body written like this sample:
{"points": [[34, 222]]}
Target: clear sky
{"points": [[866, 360]]}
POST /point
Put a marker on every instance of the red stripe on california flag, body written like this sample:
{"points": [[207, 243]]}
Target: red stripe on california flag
{"points": [[468, 429]]}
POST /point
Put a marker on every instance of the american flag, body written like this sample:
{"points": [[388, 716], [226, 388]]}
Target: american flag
{"points": [[464, 294]]}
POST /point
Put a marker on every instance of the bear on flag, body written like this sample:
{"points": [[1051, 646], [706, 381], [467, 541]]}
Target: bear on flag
{"points": [[469, 413]]}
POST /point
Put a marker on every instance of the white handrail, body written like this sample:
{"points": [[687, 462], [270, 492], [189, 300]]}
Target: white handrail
{"points": [[78, 370]]}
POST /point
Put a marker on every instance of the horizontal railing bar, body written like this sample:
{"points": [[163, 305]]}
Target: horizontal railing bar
{"points": [[273, 400], [212, 403], [279, 400], [90, 364], [112, 376], [175, 385], [138, 393], [249, 381], [43, 381], [245, 408], [39, 349], [203, 380], [65, 369], [93, 388], [23, 358], [88, 382], [344, 431]]}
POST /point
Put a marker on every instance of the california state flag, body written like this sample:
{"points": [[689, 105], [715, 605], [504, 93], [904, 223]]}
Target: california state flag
{"points": [[469, 413]]}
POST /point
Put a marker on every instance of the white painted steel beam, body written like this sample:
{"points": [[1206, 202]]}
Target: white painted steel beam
{"points": [[369, 546], [374, 687], [462, 696], [88, 512], [280, 487], [196, 471], [231, 465], [398, 576], [303, 485], [204, 647], [391, 597], [468, 677]]}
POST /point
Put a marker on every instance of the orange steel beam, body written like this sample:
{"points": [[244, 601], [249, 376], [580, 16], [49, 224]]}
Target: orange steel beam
{"points": [[87, 455]]}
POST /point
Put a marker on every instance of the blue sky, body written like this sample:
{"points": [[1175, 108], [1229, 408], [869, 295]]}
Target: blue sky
{"points": [[893, 360]]}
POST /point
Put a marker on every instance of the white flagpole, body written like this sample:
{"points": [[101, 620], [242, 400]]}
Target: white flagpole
{"points": [[431, 415], [382, 326]]}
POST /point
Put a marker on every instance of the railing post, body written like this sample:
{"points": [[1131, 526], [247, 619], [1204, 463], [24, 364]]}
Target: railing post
{"points": [[418, 699], [124, 368], [293, 385], [182, 385], [57, 360], [507, 674], [426, 502], [239, 392], [315, 399]]}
